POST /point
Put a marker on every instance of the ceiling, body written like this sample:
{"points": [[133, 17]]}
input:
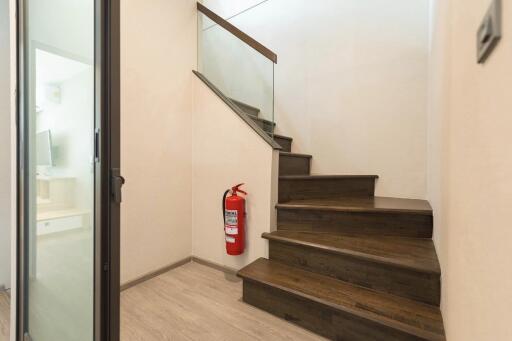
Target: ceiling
{"points": [[54, 69]]}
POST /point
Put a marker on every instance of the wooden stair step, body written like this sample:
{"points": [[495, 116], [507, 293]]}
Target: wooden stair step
{"points": [[294, 163], [284, 141], [266, 125], [298, 187], [406, 267], [375, 215], [248, 109], [374, 204], [409, 253], [336, 309]]}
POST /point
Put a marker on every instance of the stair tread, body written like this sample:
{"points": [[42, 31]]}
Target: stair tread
{"points": [[372, 204], [262, 120], [325, 177], [295, 154], [248, 106], [411, 253], [283, 137], [412, 317]]}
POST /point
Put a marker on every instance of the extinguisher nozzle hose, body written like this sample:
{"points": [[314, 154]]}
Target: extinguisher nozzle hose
{"points": [[224, 206]]}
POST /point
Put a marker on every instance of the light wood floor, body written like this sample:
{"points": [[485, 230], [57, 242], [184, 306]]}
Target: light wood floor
{"points": [[4, 316], [196, 302], [192, 302], [60, 293], [60, 301]]}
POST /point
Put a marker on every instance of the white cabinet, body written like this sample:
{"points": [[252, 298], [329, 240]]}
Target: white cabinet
{"points": [[56, 206], [55, 193], [60, 221]]}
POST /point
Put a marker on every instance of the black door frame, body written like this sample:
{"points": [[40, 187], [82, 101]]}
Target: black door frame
{"points": [[107, 174], [108, 89]]}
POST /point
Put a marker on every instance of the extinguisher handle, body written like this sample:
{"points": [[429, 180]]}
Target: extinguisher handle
{"points": [[236, 189]]}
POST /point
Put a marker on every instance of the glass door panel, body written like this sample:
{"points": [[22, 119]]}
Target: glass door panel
{"points": [[59, 115]]}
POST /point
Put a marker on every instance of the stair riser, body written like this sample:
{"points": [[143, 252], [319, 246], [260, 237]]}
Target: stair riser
{"points": [[321, 319], [293, 165], [325, 188], [252, 115], [285, 143], [266, 126], [420, 286], [382, 224], [247, 108]]}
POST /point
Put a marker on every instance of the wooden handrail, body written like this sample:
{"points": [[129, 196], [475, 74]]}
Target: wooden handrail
{"points": [[243, 115], [237, 33]]}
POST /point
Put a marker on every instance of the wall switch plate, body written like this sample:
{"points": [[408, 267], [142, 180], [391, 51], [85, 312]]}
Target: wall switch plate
{"points": [[489, 32]]}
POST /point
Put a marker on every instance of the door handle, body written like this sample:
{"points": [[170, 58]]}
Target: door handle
{"points": [[117, 184]]}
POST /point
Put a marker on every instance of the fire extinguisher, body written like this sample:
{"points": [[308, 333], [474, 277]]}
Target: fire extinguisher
{"points": [[233, 209]]}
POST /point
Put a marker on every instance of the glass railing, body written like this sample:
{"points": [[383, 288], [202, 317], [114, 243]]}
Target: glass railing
{"points": [[236, 64]]}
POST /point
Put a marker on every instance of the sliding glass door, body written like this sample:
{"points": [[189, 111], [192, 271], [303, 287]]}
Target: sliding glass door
{"points": [[67, 222]]}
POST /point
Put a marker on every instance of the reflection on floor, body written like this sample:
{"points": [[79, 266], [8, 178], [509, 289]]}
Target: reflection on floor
{"points": [[4, 316], [61, 296], [195, 302]]}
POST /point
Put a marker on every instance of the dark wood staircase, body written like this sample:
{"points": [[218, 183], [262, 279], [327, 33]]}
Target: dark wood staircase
{"points": [[344, 263]]}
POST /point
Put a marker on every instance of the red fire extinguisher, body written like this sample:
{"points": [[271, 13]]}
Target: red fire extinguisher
{"points": [[233, 209]]}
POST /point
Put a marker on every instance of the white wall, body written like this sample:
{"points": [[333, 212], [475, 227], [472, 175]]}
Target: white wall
{"points": [[5, 147], [438, 105], [226, 8], [235, 68], [226, 151], [351, 84], [158, 54], [470, 162], [53, 20]]}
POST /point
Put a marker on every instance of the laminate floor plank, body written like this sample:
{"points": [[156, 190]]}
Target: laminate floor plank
{"points": [[4, 316], [193, 302], [196, 302]]}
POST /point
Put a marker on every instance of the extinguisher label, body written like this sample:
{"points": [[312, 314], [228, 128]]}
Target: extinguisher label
{"points": [[232, 230], [230, 240], [231, 217]]}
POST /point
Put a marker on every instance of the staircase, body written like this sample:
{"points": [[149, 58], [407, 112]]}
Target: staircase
{"points": [[343, 263]]}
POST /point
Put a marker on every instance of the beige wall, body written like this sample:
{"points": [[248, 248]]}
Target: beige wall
{"points": [[226, 151], [177, 156], [157, 56], [470, 162], [350, 84]]}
